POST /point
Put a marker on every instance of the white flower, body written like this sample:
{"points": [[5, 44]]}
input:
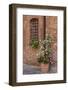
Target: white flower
{"points": [[42, 53]]}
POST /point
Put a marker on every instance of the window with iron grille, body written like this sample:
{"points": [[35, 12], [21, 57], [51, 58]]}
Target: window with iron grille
{"points": [[34, 29]]}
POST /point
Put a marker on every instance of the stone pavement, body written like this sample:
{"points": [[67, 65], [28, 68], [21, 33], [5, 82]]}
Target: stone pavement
{"points": [[30, 69]]}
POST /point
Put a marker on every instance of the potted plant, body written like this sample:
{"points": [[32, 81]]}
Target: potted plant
{"points": [[44, 53]]}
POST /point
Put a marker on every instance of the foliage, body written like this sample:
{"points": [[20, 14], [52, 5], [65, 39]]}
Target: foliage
{"points": [[44, 50], [34, 43]]}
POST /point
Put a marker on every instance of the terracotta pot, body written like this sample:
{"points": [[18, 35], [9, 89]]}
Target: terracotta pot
{"points": [[45, 68]]}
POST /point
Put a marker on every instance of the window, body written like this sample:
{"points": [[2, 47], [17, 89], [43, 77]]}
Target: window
{"points": [[34, 29]]}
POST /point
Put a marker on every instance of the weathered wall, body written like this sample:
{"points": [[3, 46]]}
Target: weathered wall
{"points": [[50, 27], [30, 53]]}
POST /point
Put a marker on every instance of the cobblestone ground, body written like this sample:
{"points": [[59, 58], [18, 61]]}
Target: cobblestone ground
{"points": [[29, 69]]}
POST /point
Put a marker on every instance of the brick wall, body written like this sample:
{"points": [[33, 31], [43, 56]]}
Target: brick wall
{"points": [[30, 53], [50, 27]]}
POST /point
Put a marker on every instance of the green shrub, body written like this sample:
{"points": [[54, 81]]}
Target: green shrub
{"points": [[34, 43]]}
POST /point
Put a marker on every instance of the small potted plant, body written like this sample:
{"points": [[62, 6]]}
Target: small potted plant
{"points": [[44, 53]]}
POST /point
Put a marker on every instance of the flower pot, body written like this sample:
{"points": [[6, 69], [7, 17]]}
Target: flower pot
{"points": [[44, 68]]}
